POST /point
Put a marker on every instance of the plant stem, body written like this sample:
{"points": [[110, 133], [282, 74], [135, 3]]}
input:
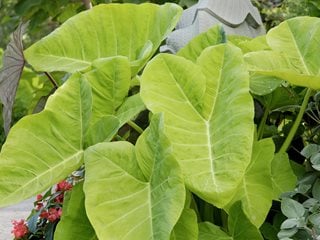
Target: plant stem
{"points": [[296, 123], [263, 122], [208, 212], [135, 127], [54, 83]]}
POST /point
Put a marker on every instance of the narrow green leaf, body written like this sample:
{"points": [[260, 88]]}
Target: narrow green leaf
{"points": [[106, 30], [283, 178], [30, 161], [208, 115], [255, 191], [74, 223], [136, 208]]}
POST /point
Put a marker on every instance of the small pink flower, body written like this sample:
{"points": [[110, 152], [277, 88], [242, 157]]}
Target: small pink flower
{"points": [[20, 228]]}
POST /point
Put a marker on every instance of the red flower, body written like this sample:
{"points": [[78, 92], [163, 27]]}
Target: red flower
{"points": [[44, 214], [54, 214], [39, 197], [63, 186], [59, 198], [20, 228], [39, 206]]}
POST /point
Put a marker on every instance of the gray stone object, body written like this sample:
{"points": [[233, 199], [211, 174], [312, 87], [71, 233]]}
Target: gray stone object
{"points": [[237, 17]]}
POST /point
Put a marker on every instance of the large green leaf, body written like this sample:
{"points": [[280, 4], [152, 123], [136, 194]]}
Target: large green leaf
{"points": [[194, 48], [110, 83], [255, 191], [44, 148], [239, 226], [208, 117], [124, 204], [106, 30], [74, 223], [283, 178], [294, 44]]}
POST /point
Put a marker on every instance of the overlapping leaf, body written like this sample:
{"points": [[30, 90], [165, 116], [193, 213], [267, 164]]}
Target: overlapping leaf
{"points": [[74, 223], [110, 82], [239, 226], [294, 55], [208, 117], [255, 191], [107, 30], [283, 178], [131, 205], [194, 48], [187, 227], [44, 148], [13, 63], [130, 108]]}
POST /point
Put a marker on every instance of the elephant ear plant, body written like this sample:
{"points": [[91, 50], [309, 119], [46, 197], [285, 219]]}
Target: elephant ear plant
{"points": [[167, 143]]}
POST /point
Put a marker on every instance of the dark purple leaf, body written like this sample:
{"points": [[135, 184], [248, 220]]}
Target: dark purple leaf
{"points": [[13, 63]]}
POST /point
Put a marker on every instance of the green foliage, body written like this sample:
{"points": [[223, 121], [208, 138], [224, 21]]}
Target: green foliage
{"points": [[189, 91], [108, 32], [168, 144], [75, 223]]}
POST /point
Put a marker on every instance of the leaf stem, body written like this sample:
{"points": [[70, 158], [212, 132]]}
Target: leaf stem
{"points": [[135, 127], [296, 123], [263, 122], [54, 83]]}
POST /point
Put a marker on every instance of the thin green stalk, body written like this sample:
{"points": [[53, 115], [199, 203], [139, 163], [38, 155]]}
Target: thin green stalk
{"points": [[296, 123], [207, 212], [263, 122], [135, 127]]}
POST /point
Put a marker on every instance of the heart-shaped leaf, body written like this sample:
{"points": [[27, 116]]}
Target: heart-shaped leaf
{"points": [[208, 115], [30, 161], [294, 55], [131, 205], [106, 30]]}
